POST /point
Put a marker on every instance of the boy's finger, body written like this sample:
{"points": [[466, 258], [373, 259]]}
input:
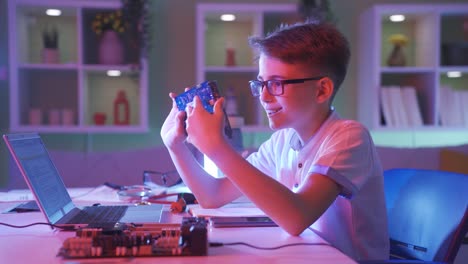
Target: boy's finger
{"points": [[181, 116], [218, 106], [172, 96], [196, 101]]}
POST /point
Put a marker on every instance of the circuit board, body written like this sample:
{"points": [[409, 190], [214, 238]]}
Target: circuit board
{"points": [[149, 240], [207, 91]]}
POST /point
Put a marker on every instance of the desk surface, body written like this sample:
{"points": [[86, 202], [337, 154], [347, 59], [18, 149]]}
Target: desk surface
{"points": [[40, 244]]}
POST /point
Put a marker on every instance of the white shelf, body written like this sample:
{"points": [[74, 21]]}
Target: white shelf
{"points": [[43, 66], [77, 82], [428, 28], [453, 68], [407, 70], [83, 129], [227, 69]]}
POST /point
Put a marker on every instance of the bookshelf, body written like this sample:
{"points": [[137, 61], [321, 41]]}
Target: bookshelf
{"points": [[437, 47], [62, 93]]}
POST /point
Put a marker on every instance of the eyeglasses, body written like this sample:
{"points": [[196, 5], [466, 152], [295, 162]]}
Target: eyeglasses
{"points": [[167, 179], [276, 87]]}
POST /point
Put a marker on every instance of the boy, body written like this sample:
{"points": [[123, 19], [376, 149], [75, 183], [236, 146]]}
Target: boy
{"points": [[316, 171]]}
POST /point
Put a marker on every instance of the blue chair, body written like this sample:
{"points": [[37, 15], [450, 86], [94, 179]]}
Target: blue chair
{"points": [[427, 215]]}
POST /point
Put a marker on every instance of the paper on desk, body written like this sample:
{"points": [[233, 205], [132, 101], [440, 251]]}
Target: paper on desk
{"points": [[231, 210], [16, 195], [100, 193]]}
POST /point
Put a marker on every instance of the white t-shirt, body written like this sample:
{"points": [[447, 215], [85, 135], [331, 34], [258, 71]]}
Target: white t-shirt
{"points": [[356, 222]]}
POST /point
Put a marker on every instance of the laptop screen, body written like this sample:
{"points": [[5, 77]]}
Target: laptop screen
{"points": [[41, 174]]}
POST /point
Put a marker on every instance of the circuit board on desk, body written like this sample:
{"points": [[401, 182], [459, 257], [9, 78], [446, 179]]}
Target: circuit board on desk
{"points": [[150, 240]]}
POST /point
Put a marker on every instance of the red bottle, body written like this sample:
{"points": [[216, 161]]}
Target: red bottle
{"points": [[230, 54], [121, 109]]}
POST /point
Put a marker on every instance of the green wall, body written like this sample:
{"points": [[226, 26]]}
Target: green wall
{"points": [[172, 67]]}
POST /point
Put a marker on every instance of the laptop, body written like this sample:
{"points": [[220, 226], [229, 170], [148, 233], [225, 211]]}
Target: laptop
{"points": [[52, 197]]}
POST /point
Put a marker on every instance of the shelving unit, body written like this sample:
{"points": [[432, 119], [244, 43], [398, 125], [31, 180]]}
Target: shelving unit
{"points": [[429, 28], [77, 86], [215, 37]]}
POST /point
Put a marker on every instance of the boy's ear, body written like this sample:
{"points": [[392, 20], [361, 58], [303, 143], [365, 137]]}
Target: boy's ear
{"points": [[325, 89]]}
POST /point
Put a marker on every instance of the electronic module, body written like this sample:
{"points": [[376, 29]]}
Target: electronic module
{"points": [[148, 240]]}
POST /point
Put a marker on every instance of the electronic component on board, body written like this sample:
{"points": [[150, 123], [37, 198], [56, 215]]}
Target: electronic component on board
{"points": [[208, 93], [147, 240]]}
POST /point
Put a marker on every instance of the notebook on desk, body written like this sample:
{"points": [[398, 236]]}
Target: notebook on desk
{"points": [[233, 215], [44, 181]]}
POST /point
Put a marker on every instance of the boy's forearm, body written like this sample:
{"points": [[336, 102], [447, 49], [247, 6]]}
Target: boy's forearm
{"points": [[209, 191], [274, 199]]}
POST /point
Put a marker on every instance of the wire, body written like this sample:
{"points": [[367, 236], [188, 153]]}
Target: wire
{"points": [[69, 228], [219, 244]]}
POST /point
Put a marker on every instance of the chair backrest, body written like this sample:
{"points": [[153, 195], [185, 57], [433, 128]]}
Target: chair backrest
{"points": [[427, 213]]}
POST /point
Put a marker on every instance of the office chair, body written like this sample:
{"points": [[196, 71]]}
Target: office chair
{"points": [[427, 215]]}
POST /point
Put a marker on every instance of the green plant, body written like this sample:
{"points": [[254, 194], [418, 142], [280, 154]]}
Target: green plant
{"points": [[319, 9], [136, 16], [50, 38]]}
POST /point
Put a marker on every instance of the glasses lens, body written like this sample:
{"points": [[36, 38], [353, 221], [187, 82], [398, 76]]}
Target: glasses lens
{"points": [[158, 179], [256, 87], [275, 87]]}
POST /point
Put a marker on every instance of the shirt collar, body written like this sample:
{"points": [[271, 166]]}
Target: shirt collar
{"points": [[295, 142]]}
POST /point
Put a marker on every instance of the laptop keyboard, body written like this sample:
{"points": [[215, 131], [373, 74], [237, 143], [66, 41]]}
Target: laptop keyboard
{"points": [[99, 214]]}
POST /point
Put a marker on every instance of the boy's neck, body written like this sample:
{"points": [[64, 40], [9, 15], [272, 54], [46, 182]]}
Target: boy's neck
{"points": [[306, 135]]}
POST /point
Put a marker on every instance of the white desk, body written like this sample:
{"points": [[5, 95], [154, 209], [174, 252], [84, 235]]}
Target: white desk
{"points": [[40, 244]]}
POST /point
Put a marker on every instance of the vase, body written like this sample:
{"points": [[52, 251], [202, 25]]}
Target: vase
{"points": [[110, 48], [230, 57], [35, 116], [397, 56], [121, 109], [54, 117], [99, 118], [68, 117], [50, 55]]}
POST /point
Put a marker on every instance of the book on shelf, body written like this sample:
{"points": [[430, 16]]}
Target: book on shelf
{"points": [[444, 104], [386, 107], [453, 111], [395, 103], [400, 106], [411, 106], [464, 100]]}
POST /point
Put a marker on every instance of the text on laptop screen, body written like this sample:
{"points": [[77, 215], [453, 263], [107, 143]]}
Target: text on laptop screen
{"points": [[42, 172]]}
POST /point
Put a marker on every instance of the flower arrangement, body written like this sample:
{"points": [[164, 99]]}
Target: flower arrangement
{"points": [[397, 56], [109, 21], [398, 39]]}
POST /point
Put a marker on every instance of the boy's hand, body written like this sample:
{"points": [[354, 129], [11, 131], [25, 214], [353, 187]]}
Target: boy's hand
{"points": [[205, 130], [173, 130]]}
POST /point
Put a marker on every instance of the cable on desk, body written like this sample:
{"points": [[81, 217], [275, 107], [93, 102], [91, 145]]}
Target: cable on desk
{"points": [[219, 244], [68, 228]]}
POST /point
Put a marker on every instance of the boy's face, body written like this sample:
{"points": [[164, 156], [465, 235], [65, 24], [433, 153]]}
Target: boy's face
{"points": [[299, 106]]}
